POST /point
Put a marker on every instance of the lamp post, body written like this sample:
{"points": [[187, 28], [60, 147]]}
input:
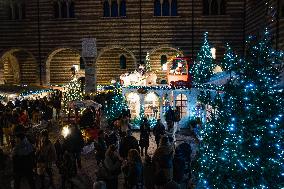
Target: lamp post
{"points": [[140, 31], [39, 41]]}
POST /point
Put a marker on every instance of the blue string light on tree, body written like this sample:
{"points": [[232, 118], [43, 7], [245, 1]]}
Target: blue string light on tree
{"points": [[242, 145]]}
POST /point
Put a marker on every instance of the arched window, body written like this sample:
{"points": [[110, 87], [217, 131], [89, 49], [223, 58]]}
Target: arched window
{"points": [[114, 9], [122, 8], [56, 7], [82, 64], [63, 10], [222, 7], [122, 62], [10, 12], [282, 10], [166, 8], [157, 8], [174, 8], [23, 11], [164, 59], [106, 8], [16, 11], [71, 10], [205, 7], [181, 104], [214, 7]]}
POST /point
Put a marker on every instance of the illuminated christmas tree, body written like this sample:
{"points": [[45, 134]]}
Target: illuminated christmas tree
{"points": [[202, 69], [72, 92], [116, 107], [148, 64], [230, 60], [242, 145]]}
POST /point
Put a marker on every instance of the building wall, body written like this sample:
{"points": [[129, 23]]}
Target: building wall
{"points": [[116, 35], [261, 14]]}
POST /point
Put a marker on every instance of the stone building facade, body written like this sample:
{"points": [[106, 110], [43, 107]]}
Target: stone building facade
{"points": [[41, 40]]}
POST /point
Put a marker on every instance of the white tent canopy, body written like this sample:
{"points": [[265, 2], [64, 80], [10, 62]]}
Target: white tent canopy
{"points": [[84, 104]]}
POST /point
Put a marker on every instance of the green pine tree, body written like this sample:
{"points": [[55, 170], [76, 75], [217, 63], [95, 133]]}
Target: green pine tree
{"points": [[230, 60], [116, 107], [148, 63], [72, 92], [242, 145], [202, 69]]}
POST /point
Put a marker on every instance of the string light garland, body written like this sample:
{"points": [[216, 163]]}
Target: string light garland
{"points": [[72, 92], [242, 144], [203, 67]]}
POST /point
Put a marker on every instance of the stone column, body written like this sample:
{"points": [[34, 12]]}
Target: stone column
{"points": [[89, 54], [90, 75]]}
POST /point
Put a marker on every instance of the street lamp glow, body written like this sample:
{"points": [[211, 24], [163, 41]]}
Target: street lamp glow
{"points": [[213, 52]]}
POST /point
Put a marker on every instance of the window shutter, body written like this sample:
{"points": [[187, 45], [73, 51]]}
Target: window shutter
{"points": [[166, 8], [122, 60], [122, 8], [174, 8], [82, 63], [157, 8], [106, 9], [164, 59]]}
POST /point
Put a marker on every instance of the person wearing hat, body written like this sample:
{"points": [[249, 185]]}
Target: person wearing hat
{"points": [[163, 162], [46, 156]]}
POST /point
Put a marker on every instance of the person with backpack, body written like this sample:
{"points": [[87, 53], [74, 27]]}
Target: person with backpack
{"points": [[163, 161]]}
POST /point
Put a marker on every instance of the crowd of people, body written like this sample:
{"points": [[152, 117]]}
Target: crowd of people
{"points": [[169, 167], [27, 112], [117, 151]]}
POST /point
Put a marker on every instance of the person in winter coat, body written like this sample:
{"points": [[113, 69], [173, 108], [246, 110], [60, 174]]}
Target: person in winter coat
{"points": [[158, 131], [133, 170], [46, 156], [23, 160], [144, 136], [74, 144], [127, 143], [5, 171], [163, 160], [112, 164], [170, 119], [99, 185], [67, 169], [148, 173], [100, 147]]}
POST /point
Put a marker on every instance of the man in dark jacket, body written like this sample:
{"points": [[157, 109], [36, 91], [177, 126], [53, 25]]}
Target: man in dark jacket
{"points": [[23, 160], [74, 144], [101, 147], [5, 170], [127, 143], [158, 131], [144, 136]]}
